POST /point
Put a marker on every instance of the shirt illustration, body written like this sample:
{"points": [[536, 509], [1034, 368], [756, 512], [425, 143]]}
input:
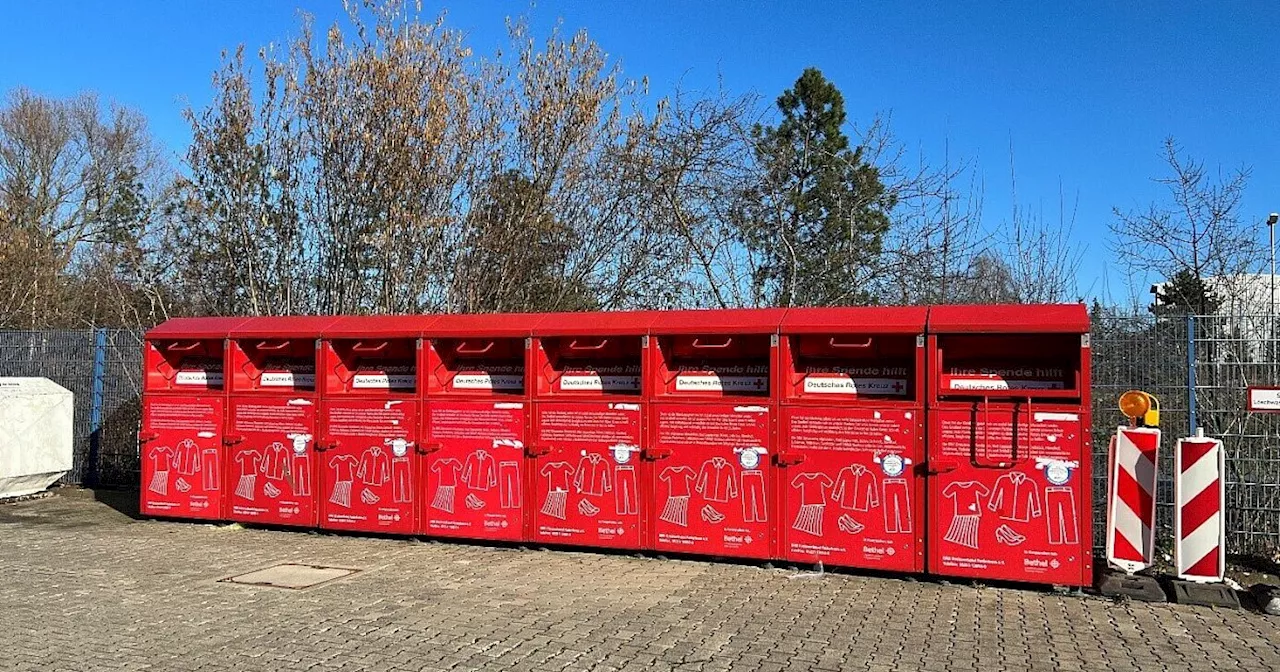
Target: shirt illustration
{"points": [[855, 488], [1015, 497], [593, 475], [343, 468], [557, 474], [480, 471], [187, 457], [375, 467], [160, 458], [716, 480], [249, 461], [677, 480], [966, 496], [812, 487], [446, 472], [275, 462]]}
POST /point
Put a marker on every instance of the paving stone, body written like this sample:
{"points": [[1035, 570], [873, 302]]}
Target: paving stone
{"points": [[89, 588]]}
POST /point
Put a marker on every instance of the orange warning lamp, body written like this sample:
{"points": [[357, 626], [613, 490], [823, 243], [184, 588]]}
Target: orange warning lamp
{"points": [[1139, 406]]}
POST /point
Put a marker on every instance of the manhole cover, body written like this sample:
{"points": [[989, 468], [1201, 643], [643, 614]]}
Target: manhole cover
{"points": [[292, 576]]}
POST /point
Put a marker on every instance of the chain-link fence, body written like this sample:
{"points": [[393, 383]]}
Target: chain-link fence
{"points": [[1199, 368], [102, 368]]}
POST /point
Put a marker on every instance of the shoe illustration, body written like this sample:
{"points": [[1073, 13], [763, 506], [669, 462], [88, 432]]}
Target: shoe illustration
{"points": [[848, 525], [712, 516], [1006, 536]]}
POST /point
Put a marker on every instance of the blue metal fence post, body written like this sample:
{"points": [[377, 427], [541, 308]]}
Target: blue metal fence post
{"points": [[1191, 375], [95, 405]]}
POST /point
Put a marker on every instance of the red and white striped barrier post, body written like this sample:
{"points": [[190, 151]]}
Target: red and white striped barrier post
{"points": [[1131, 495], [1198, 526]]}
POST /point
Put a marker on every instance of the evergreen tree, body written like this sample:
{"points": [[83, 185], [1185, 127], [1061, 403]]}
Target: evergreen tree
{"points": [[821, 210]]}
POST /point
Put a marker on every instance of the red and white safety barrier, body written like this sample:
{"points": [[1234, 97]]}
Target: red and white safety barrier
{"points": [[1199, 530], [1131, 496]]}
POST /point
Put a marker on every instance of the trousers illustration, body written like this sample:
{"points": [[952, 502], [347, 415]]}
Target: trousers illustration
{"points": [[401, 483], [509, 484], [897, 506], [753, 502], [624, 491], [300, 468], [1060, 505], [209, 469]]}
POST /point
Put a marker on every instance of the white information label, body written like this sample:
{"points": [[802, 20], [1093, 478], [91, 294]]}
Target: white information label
{"points": [[488, 381], [850, 385], [1264, 399], [287, 379], [200, 378], [595, 382], [384, 381], [1056, 417], [711, 382], [1000, 384]]}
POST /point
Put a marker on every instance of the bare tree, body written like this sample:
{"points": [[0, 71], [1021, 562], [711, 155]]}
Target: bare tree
{"points": [[1197, 234], [79, 184], [1042, 256]]}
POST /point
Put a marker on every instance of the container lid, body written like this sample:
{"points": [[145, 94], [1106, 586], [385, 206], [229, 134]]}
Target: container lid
{"points": [[195, 328], [611, 323], [724, 321], [490, 325], [376, 326], [288, 326], [859, 320], [1010, 319]]}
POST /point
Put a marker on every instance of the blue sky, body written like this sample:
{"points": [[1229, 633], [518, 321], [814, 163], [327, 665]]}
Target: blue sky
{"points": [[1083, 91]]}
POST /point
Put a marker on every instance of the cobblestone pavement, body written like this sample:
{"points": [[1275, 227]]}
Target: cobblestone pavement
{"points": [[85, 587]]}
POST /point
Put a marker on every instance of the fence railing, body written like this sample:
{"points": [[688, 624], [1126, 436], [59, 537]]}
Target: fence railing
{"points": [[1199, 366], [102, 368]]}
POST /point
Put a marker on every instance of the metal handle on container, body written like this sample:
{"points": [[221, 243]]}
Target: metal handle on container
{"points": [[655, 453], [573, 345], [837, 344], [462, 349], [697, 343], [537, 450], [788, 459]]}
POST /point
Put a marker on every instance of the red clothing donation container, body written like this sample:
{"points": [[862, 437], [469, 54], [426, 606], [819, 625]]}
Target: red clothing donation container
{"points": [[477, 420], [588, 421], [369, 423], [711, 432], [184, 402], [1009, 446], [850, 439], [270, 469]]}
